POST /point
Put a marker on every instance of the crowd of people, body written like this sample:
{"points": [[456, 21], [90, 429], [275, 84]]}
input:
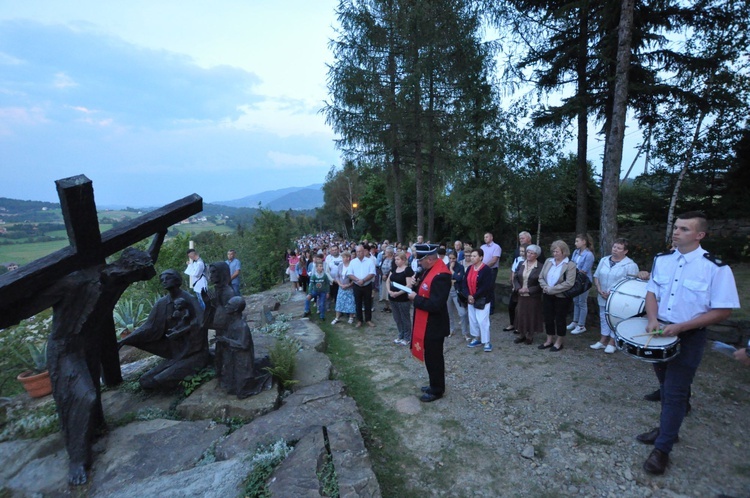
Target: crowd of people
{"points": [[452, 288]]}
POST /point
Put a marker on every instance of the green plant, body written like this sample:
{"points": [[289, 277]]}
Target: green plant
{"points": [[193, 382], [283, 360], [329, 480], [36, 361], [265, 459], [128, 315]]}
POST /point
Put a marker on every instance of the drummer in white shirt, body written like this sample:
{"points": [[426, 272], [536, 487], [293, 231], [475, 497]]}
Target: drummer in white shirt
{"points": [[689, 290]]}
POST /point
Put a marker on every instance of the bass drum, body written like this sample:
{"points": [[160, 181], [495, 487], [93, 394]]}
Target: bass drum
{"points": [[627, 298]]}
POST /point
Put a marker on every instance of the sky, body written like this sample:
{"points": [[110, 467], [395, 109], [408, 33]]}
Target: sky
{"points": [[154, 101]]}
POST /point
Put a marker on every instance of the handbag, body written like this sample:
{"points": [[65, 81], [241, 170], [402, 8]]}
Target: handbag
{"points": [[480, 303], [582, 284]]}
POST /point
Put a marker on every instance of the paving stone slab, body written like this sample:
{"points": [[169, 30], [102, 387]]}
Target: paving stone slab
{"points": [[210, 402], [302, 411]]}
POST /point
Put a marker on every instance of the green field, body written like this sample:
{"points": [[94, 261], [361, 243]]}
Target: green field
{"points": [[24, 253]]}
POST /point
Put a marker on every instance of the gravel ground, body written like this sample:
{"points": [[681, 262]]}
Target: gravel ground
{"points": [[523, 422]]}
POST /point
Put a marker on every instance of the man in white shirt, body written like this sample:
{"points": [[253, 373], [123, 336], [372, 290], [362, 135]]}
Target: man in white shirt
{"points": [[196, 269], [492, 253], [362, 274], [689, 290], [331, 266]]}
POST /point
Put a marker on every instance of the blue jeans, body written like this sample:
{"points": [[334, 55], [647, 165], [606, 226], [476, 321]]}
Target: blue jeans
{"points": [[675, 378], [321, 300], [581, 309], [236, 288]]}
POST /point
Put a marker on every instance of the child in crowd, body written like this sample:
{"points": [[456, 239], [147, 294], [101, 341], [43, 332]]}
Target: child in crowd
{"points": [[319, 290]]}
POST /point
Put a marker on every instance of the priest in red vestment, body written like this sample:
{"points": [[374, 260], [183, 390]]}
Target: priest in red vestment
{"points": [[431, 322]]}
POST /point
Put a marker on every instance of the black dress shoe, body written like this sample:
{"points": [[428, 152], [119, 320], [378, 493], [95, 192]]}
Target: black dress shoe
{"points": [[509, 328], [656, 463], [519, 340], [555, 349], [654, 396], [429, 397], [544, 346], [425, 389], [651, 436]]}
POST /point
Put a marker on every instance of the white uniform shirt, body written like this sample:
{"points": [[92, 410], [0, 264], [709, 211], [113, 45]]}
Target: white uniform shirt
{"points": [[361, 269], [688, 285], [198, 281]]}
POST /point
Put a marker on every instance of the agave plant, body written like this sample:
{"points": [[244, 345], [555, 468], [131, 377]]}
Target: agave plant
{"points": [[36, 361], [129, 316]]}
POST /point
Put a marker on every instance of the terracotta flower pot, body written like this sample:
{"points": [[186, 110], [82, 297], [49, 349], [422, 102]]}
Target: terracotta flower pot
{"points": [[36, 385]]}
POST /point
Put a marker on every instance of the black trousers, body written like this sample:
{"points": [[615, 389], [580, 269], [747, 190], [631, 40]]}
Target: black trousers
{"points": [[363, 297], [492, 294], [435, 364], [512, 307], [555, 314]]}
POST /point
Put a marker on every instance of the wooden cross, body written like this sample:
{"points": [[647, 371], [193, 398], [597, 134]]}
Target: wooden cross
{"points": [[89, 247]]}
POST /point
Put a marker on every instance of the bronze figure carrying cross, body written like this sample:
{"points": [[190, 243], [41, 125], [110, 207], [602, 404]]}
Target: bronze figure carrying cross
{"points": [[83, 290]]}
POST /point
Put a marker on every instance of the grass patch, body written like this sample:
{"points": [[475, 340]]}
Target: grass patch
{"points": [[582, 439], [451, 424], [381, 439]]}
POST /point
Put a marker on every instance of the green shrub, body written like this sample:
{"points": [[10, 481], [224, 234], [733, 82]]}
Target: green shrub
{"points": [[283, 362]]}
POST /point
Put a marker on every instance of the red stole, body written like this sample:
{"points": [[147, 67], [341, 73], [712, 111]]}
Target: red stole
{"points": [[420, 316]]}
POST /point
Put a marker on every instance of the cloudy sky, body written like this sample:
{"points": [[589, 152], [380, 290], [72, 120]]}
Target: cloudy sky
{"points": [[156, 100]]}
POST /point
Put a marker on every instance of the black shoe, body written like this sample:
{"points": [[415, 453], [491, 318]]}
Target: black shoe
{"points": [[429, 397], [509, 328], [306, 315], [654, 396], [656, 463], [519, 340], [544, 346], [555, 349], [651, 436], [426, 389]]}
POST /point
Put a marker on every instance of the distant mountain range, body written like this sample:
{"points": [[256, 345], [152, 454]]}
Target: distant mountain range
{"points": [[297, 198]]}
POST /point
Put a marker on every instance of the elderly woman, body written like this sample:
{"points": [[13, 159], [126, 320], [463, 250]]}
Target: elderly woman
{"points": [[385, 270], [558, 275], [399, 299], [528, 319], [583, 257], [611, 270], [457, 309], [477, 286], [345, 296]]}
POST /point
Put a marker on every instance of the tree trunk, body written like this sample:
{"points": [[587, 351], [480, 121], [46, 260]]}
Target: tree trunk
{"points": [[611, 167], [582, 192], [397, 196], [683, 172], [431, 161]]}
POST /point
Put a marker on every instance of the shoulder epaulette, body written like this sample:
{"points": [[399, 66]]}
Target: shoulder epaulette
{"points": [[664, 253], [714, 259]]}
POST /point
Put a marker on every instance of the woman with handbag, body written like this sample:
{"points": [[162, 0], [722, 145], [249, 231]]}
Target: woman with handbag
{"points": [[583, 257], [456, 308], [477, 287], [558, 275], [528, 320]]}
